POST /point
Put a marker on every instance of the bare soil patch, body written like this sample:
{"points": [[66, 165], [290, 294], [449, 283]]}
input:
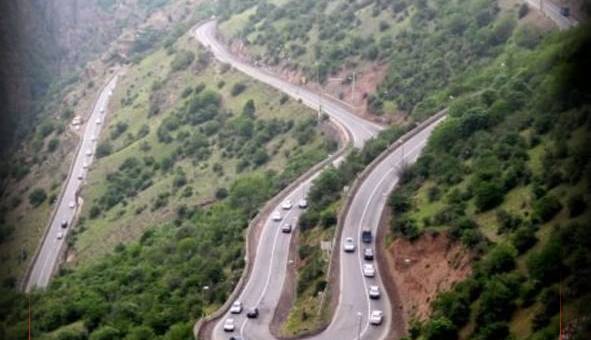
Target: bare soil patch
{"points": [[424, 268], [339, 86]]}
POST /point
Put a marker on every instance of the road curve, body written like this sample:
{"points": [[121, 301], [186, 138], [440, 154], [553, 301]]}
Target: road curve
{"points": [[350, 320], [361, 129], [264, 285], [47, 257]]}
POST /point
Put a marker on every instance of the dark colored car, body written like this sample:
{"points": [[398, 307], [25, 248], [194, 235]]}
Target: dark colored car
{"points": [[366, 236], [252, 313], [64, 224], [368, 254], [565, 11]]}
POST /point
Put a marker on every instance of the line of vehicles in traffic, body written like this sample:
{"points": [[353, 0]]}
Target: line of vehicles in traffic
{"points": [[85, 164], [253, 313], [368, 269], [376, 316]]}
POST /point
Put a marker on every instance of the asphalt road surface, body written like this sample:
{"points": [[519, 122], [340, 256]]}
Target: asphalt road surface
{"points": [[361, 129], [351, 316], [264, 286], [67, 206], [552, 11]]}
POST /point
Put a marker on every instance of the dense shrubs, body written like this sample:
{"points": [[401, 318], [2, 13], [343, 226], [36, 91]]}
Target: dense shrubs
{"points": [[132, 176], [547, 207], [182, 60], [37, 197], [520, 154], [237, 89], [104, 149]]}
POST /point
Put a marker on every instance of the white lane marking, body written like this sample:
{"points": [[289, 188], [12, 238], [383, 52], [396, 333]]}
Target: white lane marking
{"points": [[401, 158], [342, 272], [270, 271], [43, 278]]}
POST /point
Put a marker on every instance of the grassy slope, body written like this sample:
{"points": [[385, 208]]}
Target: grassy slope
{"points": [[46, 171], [121, 224], [72, 95], [164, 270]]}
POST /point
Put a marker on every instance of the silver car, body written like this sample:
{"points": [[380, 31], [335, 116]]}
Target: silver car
{"points": [[349, 245]]}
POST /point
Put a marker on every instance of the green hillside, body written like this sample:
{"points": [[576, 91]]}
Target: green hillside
{"points": [[190, 151], [508, 175], [183, 129], [504, 171], [427, 46]]}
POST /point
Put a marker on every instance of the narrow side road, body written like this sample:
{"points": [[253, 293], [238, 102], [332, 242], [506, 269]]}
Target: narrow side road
{"points": [[59, 226]]}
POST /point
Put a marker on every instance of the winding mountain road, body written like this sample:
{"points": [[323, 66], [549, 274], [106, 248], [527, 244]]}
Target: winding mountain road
{"points": [[46, 259], [265, 283]]}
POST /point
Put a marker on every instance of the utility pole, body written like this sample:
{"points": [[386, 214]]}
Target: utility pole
{"points": [[204, 290], [320, 87], [29, 321], [353, 88]]}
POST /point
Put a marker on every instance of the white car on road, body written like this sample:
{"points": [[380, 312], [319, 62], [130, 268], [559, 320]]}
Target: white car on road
{"points": [[287, 205], [276, 216], [60, 235], [369, 270], [72, 204], [236, 307], [374, 292], [349, 245], [88, 152], [229, 325], [303, 204], [376, 317], [98, 121]]}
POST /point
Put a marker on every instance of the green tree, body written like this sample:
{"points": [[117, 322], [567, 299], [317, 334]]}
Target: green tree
{"points": [[105, 333], [37, 197], [545, 265], [440, 329], [250, 191], [488, 194], [249, 109], [500, 259], [140, 333], [104, 149], [53, 144], [547, 207]]}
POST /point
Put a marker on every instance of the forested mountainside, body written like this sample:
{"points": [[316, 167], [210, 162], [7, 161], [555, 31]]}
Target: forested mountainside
{"points": [[59, 56], [190, 152], [508, 175], [517, 100], [423, 47], [45, 44], [192, 149]]}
